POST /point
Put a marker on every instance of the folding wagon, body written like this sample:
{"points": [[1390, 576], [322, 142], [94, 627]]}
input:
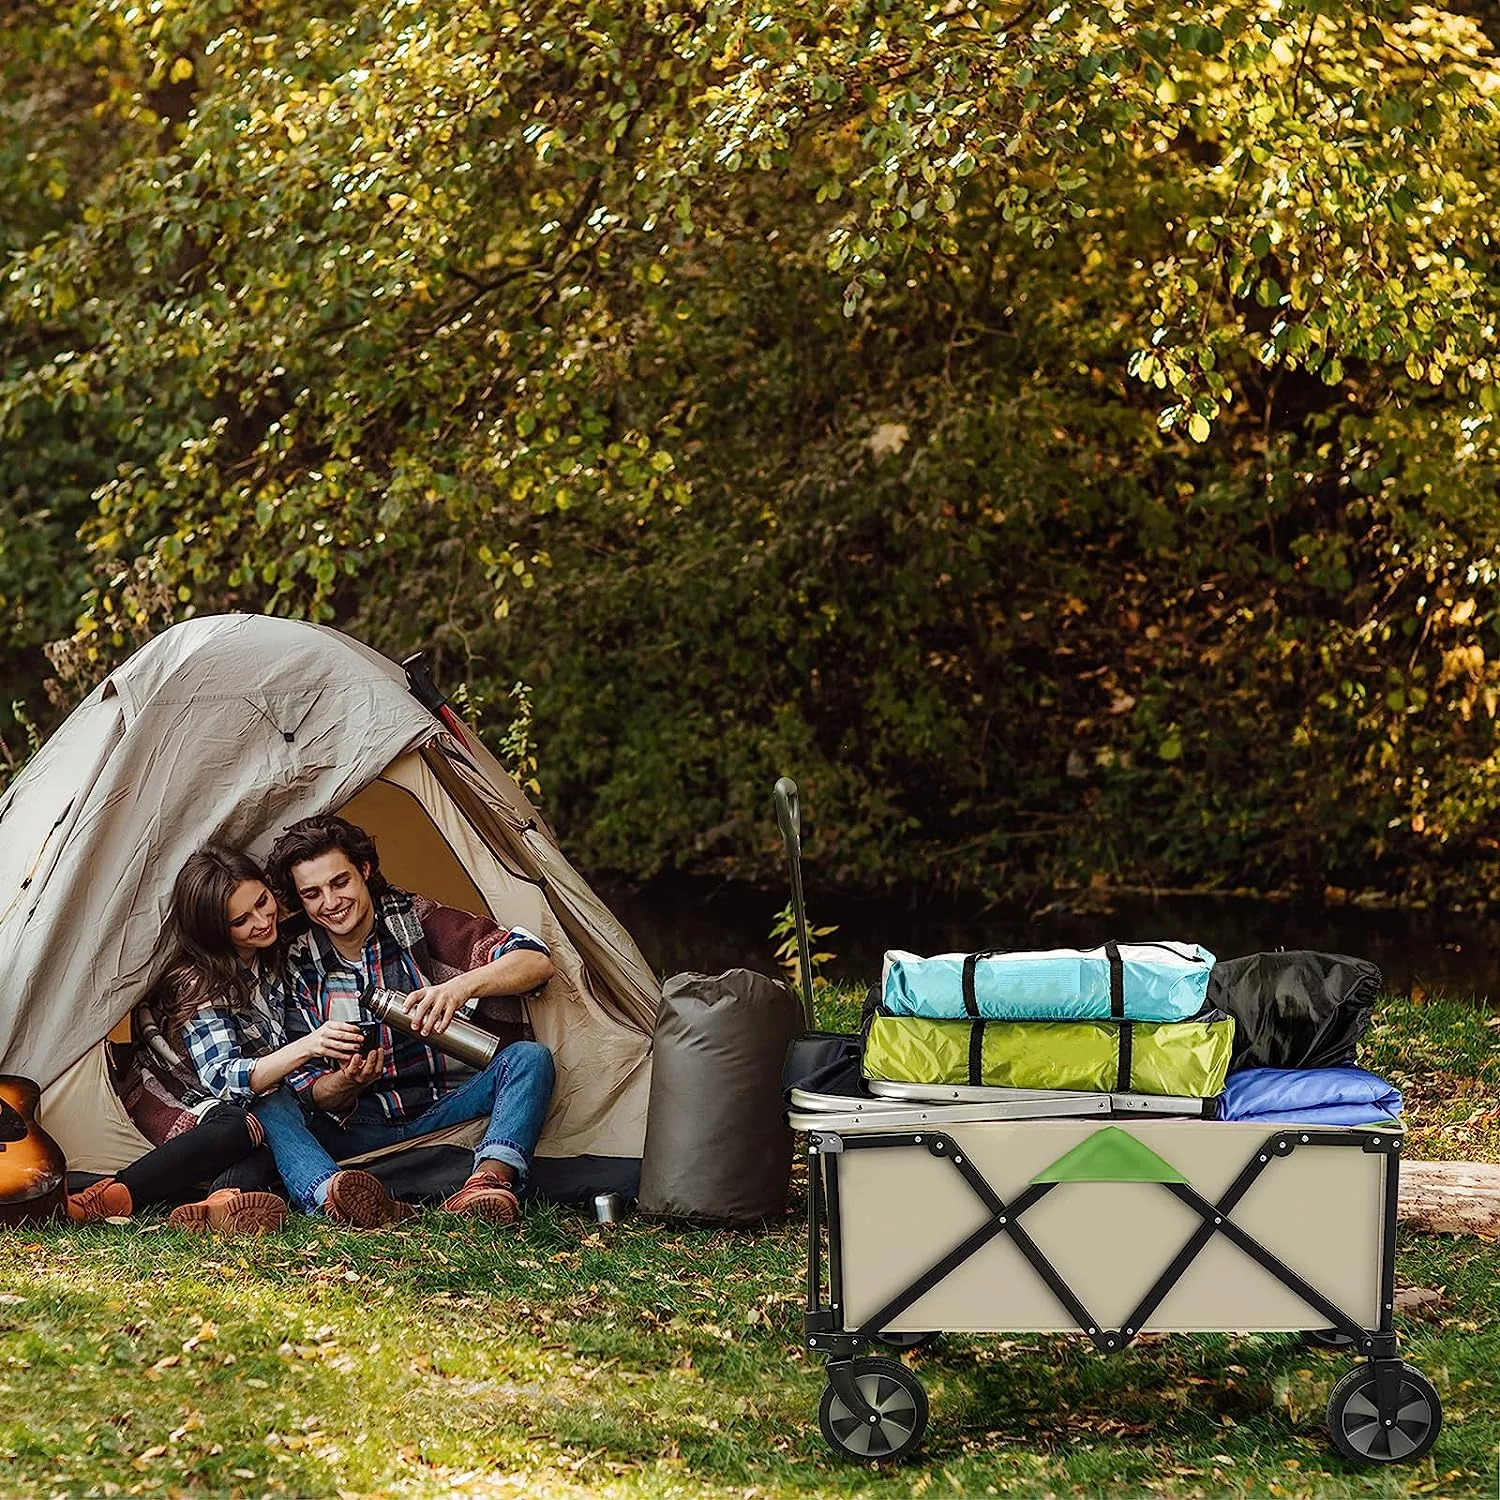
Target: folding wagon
{"points": [[1048, 1213]]}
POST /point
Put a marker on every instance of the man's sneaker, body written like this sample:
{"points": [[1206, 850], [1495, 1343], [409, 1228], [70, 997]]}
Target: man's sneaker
{"points": [[487, 1196], [230, 1211], [105, 1199], [360, 1199]]}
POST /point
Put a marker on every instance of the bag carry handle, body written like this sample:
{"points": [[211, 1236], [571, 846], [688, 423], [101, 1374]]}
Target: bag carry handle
{"points": [[789, 820]]}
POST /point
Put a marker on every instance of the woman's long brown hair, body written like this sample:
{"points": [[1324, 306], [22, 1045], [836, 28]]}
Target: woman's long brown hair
{"points": [[207, 970]]}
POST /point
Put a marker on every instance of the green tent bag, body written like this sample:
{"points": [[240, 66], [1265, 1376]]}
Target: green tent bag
{"points": [[1188, 1058]]}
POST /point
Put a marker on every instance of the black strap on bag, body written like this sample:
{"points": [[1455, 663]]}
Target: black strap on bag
{"points": [[971, 964], [1122, 1063], [1116, 980], [976, 1054]]}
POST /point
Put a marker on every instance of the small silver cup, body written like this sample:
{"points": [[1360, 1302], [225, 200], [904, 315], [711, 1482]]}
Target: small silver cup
{"points": [[608, 1207]]}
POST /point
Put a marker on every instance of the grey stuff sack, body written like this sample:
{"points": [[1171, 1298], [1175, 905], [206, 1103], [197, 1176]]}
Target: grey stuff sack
{"points": [[718, 1148]]}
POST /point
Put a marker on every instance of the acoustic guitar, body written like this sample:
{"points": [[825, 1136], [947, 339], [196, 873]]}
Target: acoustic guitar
{"points": [[33, 1170]]}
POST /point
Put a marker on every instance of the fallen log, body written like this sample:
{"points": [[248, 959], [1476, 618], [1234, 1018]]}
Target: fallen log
{"points": [[1451, 1197]]}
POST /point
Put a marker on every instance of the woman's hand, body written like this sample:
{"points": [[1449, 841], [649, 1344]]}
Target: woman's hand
{"points": [[338, 1041]]}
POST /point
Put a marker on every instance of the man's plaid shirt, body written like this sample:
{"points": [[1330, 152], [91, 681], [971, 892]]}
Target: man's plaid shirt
{"points": [[223, 1043], [323, 986]]}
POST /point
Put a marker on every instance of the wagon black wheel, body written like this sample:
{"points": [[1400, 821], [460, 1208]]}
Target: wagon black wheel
{"points": [[1354, 1420], [899, 1401], [1328, 1338], [906, 1340]]}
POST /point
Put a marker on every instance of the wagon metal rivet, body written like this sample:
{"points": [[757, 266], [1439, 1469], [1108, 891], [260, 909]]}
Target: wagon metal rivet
{"points": [[1001, 1219], [1218, 1221], [1304, 1139], [957, 1159], [1263, 1158]]}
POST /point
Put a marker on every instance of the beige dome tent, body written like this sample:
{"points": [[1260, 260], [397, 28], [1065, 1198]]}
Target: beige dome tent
{"points": [[230, 727]]}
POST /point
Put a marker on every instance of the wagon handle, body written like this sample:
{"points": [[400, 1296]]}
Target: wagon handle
{"points": [[789, 820]]}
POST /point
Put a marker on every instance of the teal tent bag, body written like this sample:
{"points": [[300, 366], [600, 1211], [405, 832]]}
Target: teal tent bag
{"points": [[1119, 981]]}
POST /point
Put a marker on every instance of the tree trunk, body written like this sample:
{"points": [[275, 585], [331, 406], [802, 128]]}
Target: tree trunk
{"points": [[1451, 1197]]}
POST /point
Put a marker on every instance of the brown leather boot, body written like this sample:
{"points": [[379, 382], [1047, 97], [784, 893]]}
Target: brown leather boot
{"points": [[230, 1211], [360, 1200], [105, 1199], [488, 1196]]}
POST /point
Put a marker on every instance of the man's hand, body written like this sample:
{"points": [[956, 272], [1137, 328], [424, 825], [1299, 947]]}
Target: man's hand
{"points": [[359, 1070], [334, 1090], [434, 1005]]}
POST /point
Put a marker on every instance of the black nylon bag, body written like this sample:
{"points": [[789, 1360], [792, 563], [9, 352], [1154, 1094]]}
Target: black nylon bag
{"points": [[718, 1148], [1297, 1009], [824, 1062]]}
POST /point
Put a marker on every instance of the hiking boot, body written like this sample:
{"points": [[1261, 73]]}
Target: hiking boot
{"points": [[360, 1199], [230, 1211], [487, 1196], [105, 1199]]}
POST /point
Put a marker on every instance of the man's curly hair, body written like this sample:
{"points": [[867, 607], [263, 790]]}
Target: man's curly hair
{"points": [[310, 838]]}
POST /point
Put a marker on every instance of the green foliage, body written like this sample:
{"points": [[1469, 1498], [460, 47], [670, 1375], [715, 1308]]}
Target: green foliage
{"points": [[789, 951], [515, 746], [13, 758], [1066, 438]]}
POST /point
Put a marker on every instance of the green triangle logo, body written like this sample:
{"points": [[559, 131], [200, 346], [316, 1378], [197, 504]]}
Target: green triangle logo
{"points": [[1110, 1155]]}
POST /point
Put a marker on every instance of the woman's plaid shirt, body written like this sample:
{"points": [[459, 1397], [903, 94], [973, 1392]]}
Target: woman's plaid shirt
{"points": [[223, 1043]]}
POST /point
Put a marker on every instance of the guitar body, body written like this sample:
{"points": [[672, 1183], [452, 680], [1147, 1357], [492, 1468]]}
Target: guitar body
{"points": [[33, 1170]]}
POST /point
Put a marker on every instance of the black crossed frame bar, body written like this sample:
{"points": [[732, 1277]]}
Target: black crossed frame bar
{"points": [[825, 1329]]}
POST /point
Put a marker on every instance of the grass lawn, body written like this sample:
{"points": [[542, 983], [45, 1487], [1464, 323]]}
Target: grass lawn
{"points": [[434, 1360]]}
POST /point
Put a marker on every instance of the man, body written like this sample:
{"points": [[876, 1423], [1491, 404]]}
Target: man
{"points": [[366, 934]]}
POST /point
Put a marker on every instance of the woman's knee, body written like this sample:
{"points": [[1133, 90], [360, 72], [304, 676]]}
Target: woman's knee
{"points": [[278, 1104]]}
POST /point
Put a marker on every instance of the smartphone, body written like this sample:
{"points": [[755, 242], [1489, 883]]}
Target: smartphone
{"points": [[369, 1037]]}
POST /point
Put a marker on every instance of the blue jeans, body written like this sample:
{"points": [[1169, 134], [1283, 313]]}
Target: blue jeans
{"points": [[513, 1091]]}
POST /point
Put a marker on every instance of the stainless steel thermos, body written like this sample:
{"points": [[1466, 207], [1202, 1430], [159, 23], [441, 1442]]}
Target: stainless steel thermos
{"points": [[460, 1038]]}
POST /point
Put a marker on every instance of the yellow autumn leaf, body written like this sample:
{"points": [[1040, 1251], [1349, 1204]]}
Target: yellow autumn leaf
{"points": [[182, 70]]}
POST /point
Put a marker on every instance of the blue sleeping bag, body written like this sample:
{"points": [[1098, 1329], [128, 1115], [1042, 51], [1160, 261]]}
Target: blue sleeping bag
{"points": [[1120, 981], [1309, 1096]]}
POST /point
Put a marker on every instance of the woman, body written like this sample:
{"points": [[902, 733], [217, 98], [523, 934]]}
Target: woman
{"points": [[224, 1011]]}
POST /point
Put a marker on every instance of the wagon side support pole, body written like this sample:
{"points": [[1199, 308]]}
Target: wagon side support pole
{"points": [[823, 1148], [789, 820], [1388, 1243], [814, 1232], [1383, 1360], [824, 1320]]}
